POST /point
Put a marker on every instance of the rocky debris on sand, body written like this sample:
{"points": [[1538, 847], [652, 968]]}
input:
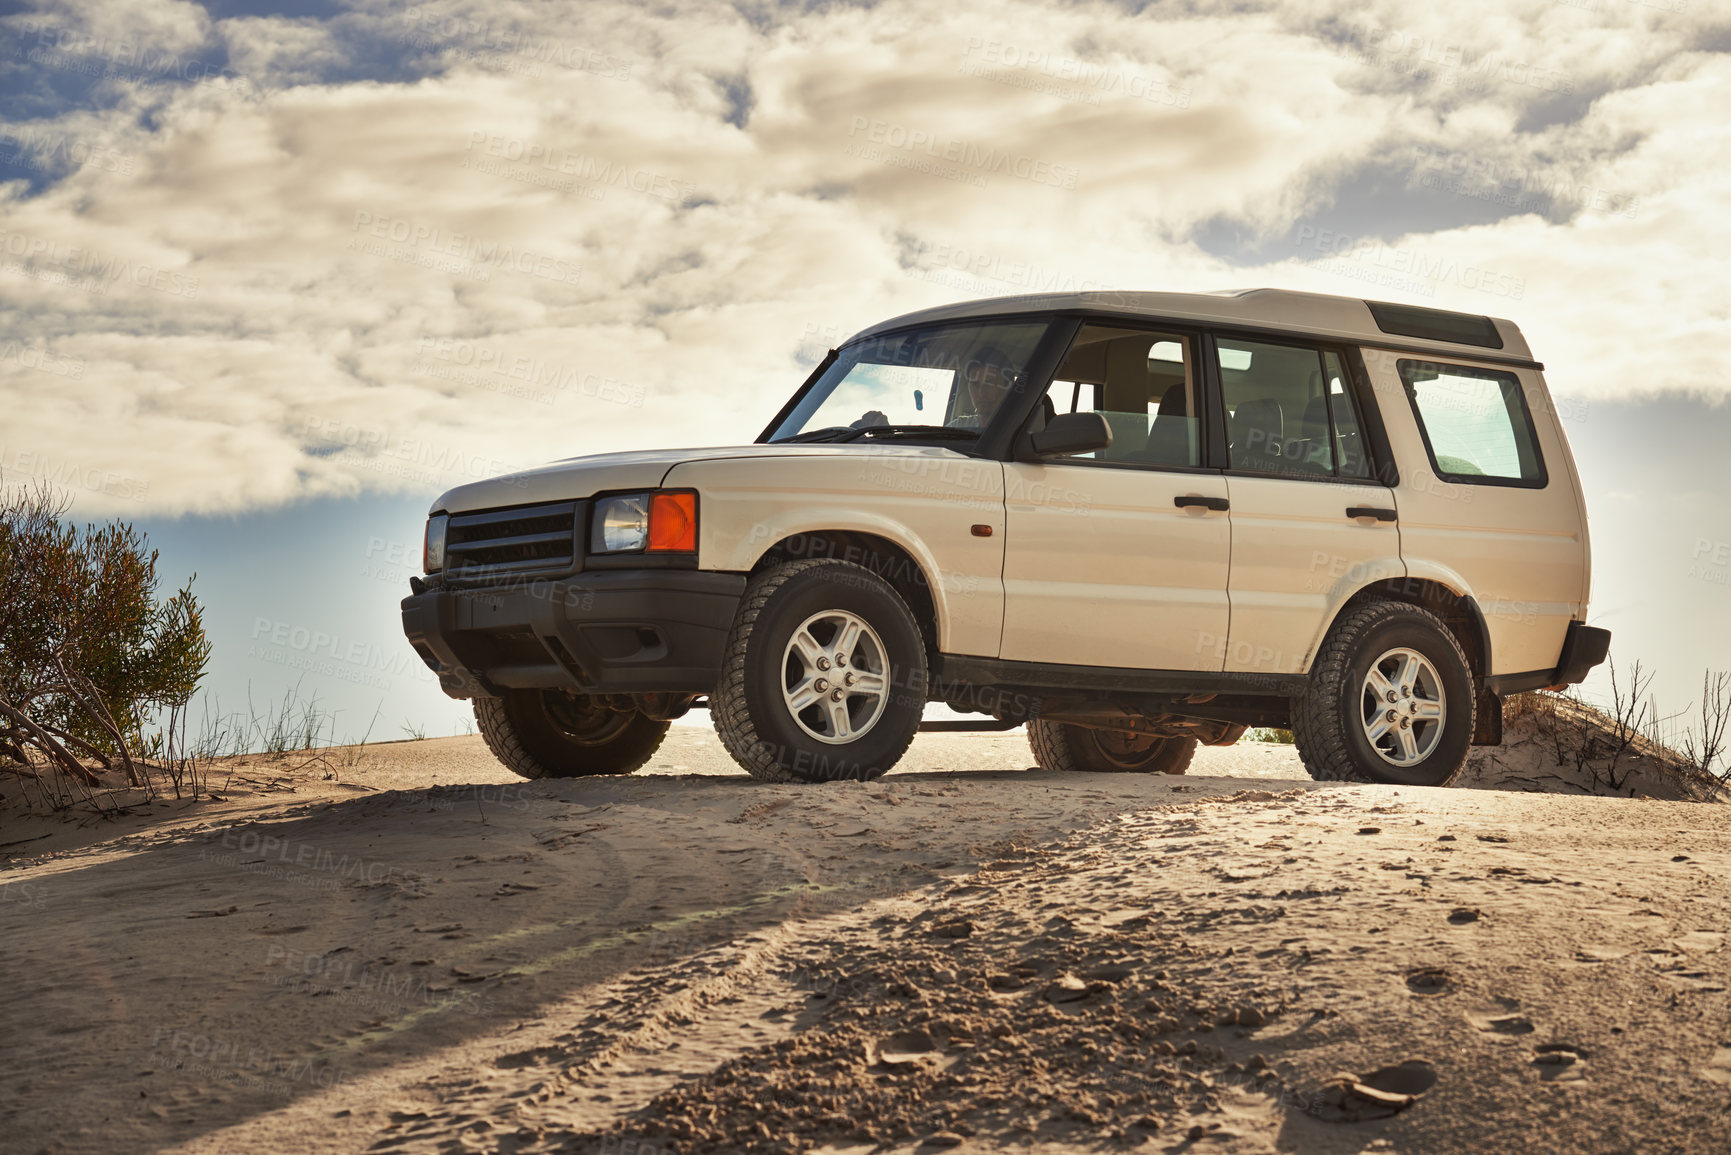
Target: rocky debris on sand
{"points": [[1560, 1062], [1066, 988], [1349, 1098]]}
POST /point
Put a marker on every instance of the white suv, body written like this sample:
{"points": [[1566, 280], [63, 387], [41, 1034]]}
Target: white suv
{"points": [[1132, 521]]}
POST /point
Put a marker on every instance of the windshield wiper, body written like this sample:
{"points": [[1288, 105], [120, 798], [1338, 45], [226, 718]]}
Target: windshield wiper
{"points": [[828, 433], [838, 433], [947, 432]]}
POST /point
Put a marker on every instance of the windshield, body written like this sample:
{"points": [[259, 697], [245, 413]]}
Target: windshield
{"points": [[945, 382]]}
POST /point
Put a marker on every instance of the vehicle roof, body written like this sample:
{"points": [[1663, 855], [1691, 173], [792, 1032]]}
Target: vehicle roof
{"points": [[1346, 319]]}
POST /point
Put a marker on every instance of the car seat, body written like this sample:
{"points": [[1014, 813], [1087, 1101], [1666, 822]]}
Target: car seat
{"points": [[1256, 432], [1170, 438]]}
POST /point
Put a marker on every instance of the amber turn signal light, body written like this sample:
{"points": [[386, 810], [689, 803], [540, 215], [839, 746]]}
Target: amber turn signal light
{"points": [[673, 523]]}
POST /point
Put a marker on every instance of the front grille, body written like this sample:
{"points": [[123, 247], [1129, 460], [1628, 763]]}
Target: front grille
{"points": [[530, 539]]}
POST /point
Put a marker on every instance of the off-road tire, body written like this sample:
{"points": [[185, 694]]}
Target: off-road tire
{"points": [[1326, 725], [752, 718], [531, 742], [1060, 746]]}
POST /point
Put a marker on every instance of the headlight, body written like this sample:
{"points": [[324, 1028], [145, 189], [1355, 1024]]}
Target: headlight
{"points": [[433, 549], [660, 522], [621, 523]]}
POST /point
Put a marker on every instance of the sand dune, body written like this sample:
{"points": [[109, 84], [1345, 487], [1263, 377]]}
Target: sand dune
{"points": [[430, 955]]}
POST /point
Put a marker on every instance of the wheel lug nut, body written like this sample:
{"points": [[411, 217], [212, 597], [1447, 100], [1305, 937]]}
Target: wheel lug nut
{"points": [[1390, 717], [840, 660], [823, 663], [821, 685], [1390, 695], [836, 697], [851, 678]]}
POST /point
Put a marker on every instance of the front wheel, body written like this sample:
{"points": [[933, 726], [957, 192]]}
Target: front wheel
{"points": [[1061, 746], [549, 734], [1390, 699], [824, 675]]}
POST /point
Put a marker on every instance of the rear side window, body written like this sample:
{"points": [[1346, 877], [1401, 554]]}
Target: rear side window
{"points": [[1349, 455], [1475, 424], [1288, 411]]}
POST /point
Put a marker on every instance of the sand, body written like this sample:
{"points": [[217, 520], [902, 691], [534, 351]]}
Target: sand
{"points": [[423, 953]]}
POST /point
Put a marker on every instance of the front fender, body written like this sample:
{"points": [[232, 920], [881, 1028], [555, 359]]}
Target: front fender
{"points": [[748, 507]]}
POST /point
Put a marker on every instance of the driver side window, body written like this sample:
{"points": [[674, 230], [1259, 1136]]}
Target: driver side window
{"points": [[1144, 384]]}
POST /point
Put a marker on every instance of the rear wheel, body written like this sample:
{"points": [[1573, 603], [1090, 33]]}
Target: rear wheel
{"points": [[549, 734], [1390, 699], [1061, 746], [824, 676]]}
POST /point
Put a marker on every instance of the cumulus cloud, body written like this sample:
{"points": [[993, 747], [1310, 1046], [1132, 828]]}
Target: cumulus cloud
{"points": [[400, 248]]}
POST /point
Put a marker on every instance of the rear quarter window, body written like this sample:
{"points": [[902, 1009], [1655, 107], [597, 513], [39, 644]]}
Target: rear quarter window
{"points": [[1475, 423]]}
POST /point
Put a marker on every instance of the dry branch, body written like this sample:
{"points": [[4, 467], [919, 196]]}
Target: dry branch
{"points": [[34, 735]]}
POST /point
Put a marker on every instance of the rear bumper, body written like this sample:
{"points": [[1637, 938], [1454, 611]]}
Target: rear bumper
{"points": [[1584, 647], [620, 632]]}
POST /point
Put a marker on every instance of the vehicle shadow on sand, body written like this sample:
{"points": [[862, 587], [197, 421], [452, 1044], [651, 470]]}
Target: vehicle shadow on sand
{"points": [[199, 978]]}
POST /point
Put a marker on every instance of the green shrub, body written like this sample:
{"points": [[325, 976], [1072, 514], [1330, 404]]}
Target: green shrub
{"points": [[87, 652]]}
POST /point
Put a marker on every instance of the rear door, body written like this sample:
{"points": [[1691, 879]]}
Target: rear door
{"points": [[1119, 558], [1310, 523]]}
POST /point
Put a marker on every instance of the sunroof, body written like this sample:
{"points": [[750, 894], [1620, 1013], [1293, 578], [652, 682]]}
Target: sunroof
{"points": [[1435, 324]]}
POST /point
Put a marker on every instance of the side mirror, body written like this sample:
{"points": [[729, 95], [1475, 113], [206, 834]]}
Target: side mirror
{"points": [[1069, 433]]}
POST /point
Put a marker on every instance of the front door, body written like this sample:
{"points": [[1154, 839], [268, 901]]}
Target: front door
{"points": [[1119, 558]]}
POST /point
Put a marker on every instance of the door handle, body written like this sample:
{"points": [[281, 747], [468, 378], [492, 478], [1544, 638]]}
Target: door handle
{"points": [[1371, 511], [1189, 499]]}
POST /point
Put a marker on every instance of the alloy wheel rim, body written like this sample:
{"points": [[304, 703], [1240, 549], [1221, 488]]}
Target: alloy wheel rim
{"points": [[835, 677], [1403, 707]]}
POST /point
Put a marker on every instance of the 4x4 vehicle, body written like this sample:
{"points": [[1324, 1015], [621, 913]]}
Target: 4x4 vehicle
{"points": [[1133, 521]]}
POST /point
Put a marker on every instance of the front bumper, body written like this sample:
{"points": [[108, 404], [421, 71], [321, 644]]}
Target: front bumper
{"points": [[611, 632]]}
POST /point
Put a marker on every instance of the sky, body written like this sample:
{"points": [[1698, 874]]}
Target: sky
{"points": [[273, 276]]}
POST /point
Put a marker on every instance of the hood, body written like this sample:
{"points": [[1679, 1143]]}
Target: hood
{"points": [[579, 477], [576, 477]]}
